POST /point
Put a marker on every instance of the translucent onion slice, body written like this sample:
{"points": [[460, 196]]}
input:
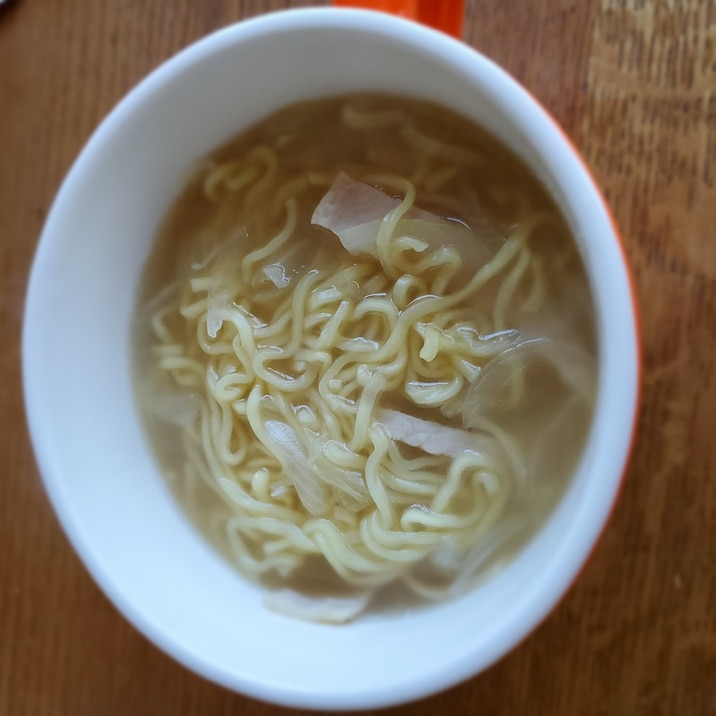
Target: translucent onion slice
{"points": [[348, 485], [175, 408], [541, 393], [326, 609], [353, 211], [277, 275], [496, 548], [224, 268], [287, 447], [528, 379], [431, 437]]}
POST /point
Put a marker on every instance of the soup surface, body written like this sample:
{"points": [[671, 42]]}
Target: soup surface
{"points": [[365, 354]]}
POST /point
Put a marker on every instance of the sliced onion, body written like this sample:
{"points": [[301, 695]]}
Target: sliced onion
{"points": [[573, 368], [495, 548], [431, 437], [354, 211], [291, 260], [329, 609], [541, 395], [345, 483], [438, 233], [289, 451], [178, 409], [218, 302], [277, 275], [225, 265]]}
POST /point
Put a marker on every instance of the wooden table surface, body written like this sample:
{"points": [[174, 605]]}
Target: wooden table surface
{"points": [[633, 82]]}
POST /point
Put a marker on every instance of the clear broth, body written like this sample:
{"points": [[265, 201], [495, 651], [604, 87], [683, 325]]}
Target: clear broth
{"points": [[490, 182]]}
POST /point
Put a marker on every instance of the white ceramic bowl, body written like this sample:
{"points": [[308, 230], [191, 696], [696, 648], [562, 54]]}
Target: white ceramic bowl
{"points": [[94, 458]]}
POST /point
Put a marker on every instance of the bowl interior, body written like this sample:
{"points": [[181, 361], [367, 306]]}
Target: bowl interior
{"points": [[94, 458]]}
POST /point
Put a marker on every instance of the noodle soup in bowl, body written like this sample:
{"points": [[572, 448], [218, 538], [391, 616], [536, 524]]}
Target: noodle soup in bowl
{"points": [[319, 277]]}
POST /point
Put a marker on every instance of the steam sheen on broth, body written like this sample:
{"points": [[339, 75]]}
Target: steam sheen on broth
{"points": [[365, 353]]}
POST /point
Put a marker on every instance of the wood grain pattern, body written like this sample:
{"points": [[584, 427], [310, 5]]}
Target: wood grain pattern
{"points": [[634, 83]]}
